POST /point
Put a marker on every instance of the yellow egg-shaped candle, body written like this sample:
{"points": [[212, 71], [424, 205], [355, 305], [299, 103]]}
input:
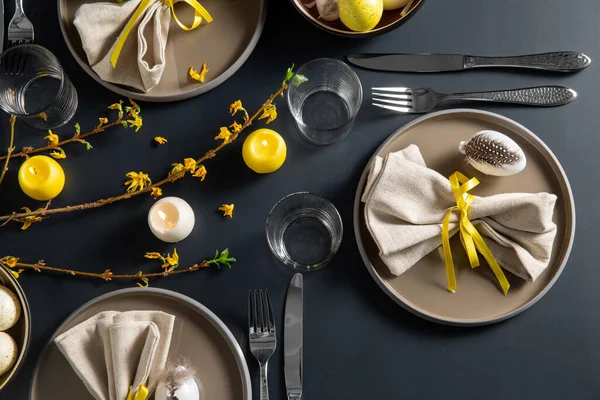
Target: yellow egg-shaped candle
{"points": [[360, 15], [41, 178], [264, 151]]}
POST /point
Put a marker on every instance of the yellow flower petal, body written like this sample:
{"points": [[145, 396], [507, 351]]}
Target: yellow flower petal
{"points": [[59, 154], [224, 134], [235, 107], [198, 76], [171, 261], [236, 128], [17, 273], [156, 192], [190, 164], [153, 255], [200, 172], [103, 120], [160, 140], [52, 138], [9, 261], [135, 122], [227, 210], [269, 112], [137, 181]]}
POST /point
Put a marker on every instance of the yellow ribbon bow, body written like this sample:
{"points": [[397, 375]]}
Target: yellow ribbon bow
{"points": [[199, 13], [140, 394], [469, 236]]}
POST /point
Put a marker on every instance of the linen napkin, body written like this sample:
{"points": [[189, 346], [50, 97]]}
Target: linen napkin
{"points": [[405, 204], [142, 60], [114, 351]]}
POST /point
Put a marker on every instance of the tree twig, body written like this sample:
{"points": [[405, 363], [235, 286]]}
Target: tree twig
{"points": [[10, 147]]}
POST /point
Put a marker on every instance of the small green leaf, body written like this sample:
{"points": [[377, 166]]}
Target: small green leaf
{"points": [[77, 129], [222, 259], [144, 280], [289, 74], [298, 79], [88, 146], [124, 123]]}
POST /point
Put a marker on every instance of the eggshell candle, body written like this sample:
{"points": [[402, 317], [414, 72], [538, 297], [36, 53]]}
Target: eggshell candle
{"points": [[10, 308], [8, 352], [171, 219], [41, 178], [264, 151]]}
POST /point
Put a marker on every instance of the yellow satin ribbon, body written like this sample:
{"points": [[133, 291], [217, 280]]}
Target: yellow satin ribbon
{"points": [[199, 13], [140, 394], [469, 236]]}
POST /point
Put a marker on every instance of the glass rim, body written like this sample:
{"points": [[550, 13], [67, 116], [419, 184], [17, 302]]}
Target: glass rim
{"points": [[335, 245], [62, 76]]}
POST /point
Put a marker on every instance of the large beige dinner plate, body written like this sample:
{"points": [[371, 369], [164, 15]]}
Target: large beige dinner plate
{"points": [[478, 300], [224, 44], [199, 335]]}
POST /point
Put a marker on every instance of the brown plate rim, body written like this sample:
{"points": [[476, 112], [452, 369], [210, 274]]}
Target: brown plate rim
{"points": [[26, 314], [393, 295], [172, 97], [354, 34], [195, 305]]}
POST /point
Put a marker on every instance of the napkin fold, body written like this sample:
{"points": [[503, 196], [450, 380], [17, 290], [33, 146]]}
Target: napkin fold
{"points": [[114, 351], [405, 204], [142, 59]]}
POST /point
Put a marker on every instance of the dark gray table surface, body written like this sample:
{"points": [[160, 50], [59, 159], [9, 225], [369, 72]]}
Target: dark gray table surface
{"points": [[358, 343]]}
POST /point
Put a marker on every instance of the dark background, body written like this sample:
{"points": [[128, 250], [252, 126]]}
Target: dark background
{"points": [[358, 343]]}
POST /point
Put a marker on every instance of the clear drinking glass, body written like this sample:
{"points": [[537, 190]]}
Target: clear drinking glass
{"points": [[325, 106], [304, 231], [34, 87]]}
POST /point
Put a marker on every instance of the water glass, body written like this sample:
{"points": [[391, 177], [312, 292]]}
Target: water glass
{"points": [[35, 88], [325, 106], [304, 231]]}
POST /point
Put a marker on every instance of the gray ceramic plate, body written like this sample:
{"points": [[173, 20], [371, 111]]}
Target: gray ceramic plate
{"points": [[21, 332], [478, 301], [198, 335], [224, 44]]}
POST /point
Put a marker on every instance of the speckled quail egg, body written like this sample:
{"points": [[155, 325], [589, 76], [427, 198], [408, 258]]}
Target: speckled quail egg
{"points": [[10, 308], [8, 352]]}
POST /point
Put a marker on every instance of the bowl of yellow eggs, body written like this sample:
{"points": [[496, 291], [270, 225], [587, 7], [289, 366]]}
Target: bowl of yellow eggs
{"points": [[358, 18], [15, 326]]}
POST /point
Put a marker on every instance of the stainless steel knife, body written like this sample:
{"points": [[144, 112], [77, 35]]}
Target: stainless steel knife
{"points": [[565, 61], [2, 26], [292, 339]]}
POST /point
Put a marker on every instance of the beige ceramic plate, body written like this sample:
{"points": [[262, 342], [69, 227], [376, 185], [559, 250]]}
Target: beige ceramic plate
{"points": [[478, 301], [21, 332], [224, 44], [198, 335]]}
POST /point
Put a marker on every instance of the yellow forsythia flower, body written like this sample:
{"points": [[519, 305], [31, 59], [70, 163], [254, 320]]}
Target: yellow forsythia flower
{"points": [[171, 262], [27, 221], [177, 168], [198, 76], [142, 278], [103, 120], [135, 122], [269, 112], [59, 154], [117, 106], [236, 128], [190, 164], [227, 210], [9, 261], [52, 138], [17, 273], [160, 140], [223, 134], [235, 107], [200, 172], [156, 192], [137, 181], [43, 116], [153, 255]]}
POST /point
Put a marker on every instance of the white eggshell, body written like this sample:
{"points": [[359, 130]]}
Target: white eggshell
{"points": [[8, 352], [10, 308], [394, 4], [494, 153], [187, 390], [328, 9]]}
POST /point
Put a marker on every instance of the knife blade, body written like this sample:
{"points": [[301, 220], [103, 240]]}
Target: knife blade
{"points": [[565, 61], [1, 26], [292, 338]]}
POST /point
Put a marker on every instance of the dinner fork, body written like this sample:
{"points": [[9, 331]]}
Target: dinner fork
{"points": [[422, 100], [263, 340], [20, 28]]}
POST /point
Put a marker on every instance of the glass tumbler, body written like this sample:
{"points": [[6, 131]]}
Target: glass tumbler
{"points": [[34, 87], [325, 106], [304, 231]]}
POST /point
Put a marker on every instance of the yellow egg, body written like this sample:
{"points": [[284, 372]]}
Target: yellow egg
{"points": [[264, 151], [361, 15], [394, 4]]}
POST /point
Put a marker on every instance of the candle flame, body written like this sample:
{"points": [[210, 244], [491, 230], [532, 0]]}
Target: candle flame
{"points": [[162, 214], [265, 143], [33, 170]]}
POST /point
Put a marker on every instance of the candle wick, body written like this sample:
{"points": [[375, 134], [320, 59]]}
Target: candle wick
{"points": [[162, 215], [33, 170]]}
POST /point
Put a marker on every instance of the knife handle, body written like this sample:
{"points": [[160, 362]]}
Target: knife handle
{"points": [[536, 96], [564, 61]]}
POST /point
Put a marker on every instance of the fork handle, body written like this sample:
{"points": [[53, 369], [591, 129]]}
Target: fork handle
{"points": [[535, 96], [563, 61], [264, 383]]}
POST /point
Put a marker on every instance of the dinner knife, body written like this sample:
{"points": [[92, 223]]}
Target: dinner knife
{"points": [[1, 26], [292, 339], [564, 61]]}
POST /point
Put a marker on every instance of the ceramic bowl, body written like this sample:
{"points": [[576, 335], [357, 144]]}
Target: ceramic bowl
{"points": [[21, 332], [390, 19]]}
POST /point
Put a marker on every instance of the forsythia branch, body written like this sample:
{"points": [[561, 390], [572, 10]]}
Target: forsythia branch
{"points": [[11, 148]]}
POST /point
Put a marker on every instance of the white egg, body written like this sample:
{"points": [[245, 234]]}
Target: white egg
{"points": [[186, 390], [10, 308], [394, 4], [8, 352]]}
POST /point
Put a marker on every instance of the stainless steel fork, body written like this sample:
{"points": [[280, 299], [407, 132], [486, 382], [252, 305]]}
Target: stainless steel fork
{"points": [[20, 28], [263, 340], [422, 100]]}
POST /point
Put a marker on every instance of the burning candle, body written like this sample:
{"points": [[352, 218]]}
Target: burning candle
{"points": [[171, 219], [264, 151], [41, 178]]}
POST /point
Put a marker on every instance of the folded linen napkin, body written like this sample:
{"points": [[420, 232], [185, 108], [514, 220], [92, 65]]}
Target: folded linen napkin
{"points": [[405, 204], [142, 59], [114, 351]]}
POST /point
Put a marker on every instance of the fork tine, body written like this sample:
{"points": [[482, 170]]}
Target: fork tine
{"points": [[250, 313], [393, 89], [269, 308], [263, 312], [397, 109], [393, 96], [396, 102], [255, 314]]}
